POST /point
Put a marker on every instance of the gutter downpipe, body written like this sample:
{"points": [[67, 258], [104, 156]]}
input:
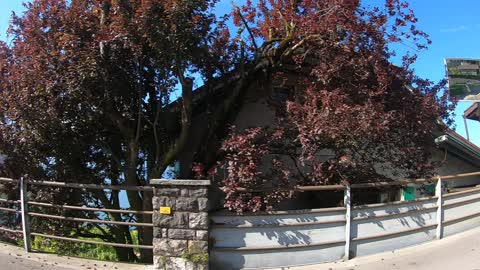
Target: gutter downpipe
{"points": [[466, 127]]}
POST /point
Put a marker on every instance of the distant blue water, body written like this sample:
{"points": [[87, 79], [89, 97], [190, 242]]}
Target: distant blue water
{"points": [[170, 173]]}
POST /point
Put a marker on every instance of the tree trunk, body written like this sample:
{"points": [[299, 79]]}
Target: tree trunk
{"points": [[123, 254], [146, 237]]}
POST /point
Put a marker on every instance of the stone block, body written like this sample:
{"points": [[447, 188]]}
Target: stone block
{"points": [[202, 204], [179, 182], [198, 192], [159, 262], [198, 220], [157, 232], [175, 263], [184, 192], [183, 264], [169, 247], [175, 220], [201, 235], [181, 234], [187, 204], [167, 191], [197, 247], [163, 201]]}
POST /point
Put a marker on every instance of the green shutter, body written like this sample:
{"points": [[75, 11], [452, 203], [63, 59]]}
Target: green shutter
{"points": [[409, 193]]}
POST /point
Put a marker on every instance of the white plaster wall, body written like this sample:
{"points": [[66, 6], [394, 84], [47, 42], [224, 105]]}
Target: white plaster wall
{"points": [[455, 165]]}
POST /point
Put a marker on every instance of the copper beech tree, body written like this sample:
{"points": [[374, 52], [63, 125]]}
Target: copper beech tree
{"points": [[84, 89], [345, 97], [86, 93]]}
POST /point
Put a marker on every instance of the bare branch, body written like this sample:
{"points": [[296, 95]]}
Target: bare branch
{"points": [[249, 30]]}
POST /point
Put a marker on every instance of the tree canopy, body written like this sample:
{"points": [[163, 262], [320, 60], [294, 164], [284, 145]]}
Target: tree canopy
{"points": [[86, 96], [344, 97], [84, 89]]}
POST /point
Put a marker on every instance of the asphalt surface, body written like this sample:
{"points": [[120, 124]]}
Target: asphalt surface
{"points": [[457, 252], [21, 262], [15, 258]]}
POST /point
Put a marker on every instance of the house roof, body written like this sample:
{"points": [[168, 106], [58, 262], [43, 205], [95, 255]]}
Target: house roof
{"points": [[473, 112], [455, 143], [462, 148]]}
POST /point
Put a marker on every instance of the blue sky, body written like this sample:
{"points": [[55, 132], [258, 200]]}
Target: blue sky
{"points": [[452, 25]]}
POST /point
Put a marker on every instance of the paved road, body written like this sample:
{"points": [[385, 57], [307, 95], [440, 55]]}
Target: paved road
{"points": [[458, 252], [15, 262], [15, 258]]}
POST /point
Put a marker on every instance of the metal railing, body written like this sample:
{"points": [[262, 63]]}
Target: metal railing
{"points": [[369, 185], [23, 204], [347, 209], [25, 213]]}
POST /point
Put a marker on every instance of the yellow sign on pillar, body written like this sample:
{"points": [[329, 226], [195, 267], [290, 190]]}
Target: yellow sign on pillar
{"points": [[165, 210]]}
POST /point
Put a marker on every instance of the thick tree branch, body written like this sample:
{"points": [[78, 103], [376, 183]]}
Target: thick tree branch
{"points": [[186, 119], [249, 30]]}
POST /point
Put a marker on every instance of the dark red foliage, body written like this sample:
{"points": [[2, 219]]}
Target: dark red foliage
{"points": [[373, 118], [86, 87], [84, 93]]}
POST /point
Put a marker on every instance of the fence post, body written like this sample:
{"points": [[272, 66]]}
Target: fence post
{"points": [[180, 224], [348, 218], [438, 193], [24, 212]]}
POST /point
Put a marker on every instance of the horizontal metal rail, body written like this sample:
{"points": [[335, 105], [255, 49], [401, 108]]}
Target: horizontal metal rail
{"points": [[368, 185], [396, 203], [453, 194], [455, 220], [89, 186], [326, 187], [3, 229], [9, 210], [452, 204], [8, 180], [385, 235], [81, 208], [8, 201], [91, 242], [329, 243], [90, 220], [275, 225], [288, 212], [297, 188], [400, 213]]}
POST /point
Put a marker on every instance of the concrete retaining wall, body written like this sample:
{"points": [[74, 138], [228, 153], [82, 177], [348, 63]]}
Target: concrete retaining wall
{"points": [[292, 238]]}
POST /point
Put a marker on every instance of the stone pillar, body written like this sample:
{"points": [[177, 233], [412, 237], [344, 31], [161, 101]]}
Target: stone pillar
{"points": [[180, 224]]}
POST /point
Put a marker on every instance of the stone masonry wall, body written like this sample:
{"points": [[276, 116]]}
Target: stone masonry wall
{"points": [[180, 238]]}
